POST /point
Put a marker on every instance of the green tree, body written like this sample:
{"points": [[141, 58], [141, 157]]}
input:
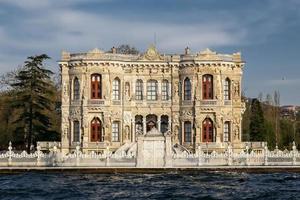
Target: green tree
{"points": [[287, 133], [246, 120], [256, 126], [34, 100], [126, 49]]}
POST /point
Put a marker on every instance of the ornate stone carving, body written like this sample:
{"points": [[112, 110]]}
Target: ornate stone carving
{"points": [[127, 133], [75, 112], [65, 92], [151, 54], [176, 119], [129, 68], [127, 117], [127, 91], [186, 113], [95, 108], [236, 88]]}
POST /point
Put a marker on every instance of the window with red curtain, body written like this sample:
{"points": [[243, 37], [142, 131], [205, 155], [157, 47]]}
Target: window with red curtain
{"points": [[207, 130], [207, 86], [96, 86], [96, 133]]}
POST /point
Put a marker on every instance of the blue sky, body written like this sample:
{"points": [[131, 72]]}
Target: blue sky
{"points": [[267, 32]]}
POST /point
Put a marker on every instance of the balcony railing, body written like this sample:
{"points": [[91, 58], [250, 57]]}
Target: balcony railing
{"points": [[96, 101], [187, 102], [227, 102], [116, 102], [208, 102], [95, 145], [75, 102]]}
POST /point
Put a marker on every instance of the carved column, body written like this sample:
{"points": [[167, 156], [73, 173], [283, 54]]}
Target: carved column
{"points": [[170, 123], [133, 130], [144, 125], [198, 129], [158, 123], [182, 132], [65, 108]]}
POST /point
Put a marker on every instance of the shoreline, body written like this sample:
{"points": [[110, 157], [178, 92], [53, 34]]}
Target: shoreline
{"points": [[106, 170]]}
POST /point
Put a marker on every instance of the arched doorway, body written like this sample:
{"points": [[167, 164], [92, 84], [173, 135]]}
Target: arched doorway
{"points": [[96, 130], [164, 124], [139, 124], [207, 130], [151, 121]]}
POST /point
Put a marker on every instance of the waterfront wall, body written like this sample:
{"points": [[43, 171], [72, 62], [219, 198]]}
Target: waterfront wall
{"points": [[107, 159]]}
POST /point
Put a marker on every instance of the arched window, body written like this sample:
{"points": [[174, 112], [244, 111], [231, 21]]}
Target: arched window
{"points": [[165, 90], [227, 89], [139, 90], [164, 123], [207, 86], [116, 89], [76, 131], [151, 122], [96, 131], [207, 130], [187, 89], [152, 90], [187, 131], [96, 86], [76, 89], [226, 132], [116, 131], [139, 124]]}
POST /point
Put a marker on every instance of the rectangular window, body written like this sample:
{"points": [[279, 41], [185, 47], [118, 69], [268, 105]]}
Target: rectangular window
{"points": [[96, 86], [187, 132], [187, 89], [165, 91], [152, 90], [115, 131], [226, 132], [139, 90], [116, 90], [76, 131], [226, 90]]}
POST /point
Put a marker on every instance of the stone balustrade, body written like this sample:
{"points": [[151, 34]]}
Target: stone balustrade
{"points": [[246, 157]]}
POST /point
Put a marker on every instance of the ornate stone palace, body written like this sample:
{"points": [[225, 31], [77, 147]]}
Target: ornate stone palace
{"points": [[110, 98]]}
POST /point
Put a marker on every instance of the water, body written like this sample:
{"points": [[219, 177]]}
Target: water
{"points": [[210, 185]]}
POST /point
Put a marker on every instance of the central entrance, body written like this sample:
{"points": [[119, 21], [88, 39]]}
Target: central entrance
{"points": [[151, 121]]}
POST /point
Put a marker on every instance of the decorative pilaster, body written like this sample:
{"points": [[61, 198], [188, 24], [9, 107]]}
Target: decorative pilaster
{"points": [[133, 136], [158, 123], [144, 125]]}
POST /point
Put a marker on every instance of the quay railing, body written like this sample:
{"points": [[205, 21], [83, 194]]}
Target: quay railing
{"points": [[246, 157]]}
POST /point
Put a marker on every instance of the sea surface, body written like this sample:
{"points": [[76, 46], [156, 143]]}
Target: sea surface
{"points": [[210, 185]]}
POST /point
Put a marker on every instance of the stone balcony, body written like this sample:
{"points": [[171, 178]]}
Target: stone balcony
{"points": [[211, 102], [227, 102], [96, 102], [94, 145]]}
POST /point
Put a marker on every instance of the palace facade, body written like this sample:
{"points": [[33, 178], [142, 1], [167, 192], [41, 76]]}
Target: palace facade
{"points": [[109, 98]]}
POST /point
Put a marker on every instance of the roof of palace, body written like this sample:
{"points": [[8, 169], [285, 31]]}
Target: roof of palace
{"points": [[151, 55]]}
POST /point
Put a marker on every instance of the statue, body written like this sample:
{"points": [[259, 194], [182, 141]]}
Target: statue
{"points": [[127, 90], [127, 133]]}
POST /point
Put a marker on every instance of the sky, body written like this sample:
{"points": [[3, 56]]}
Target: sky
{"points": [[266, 32]]}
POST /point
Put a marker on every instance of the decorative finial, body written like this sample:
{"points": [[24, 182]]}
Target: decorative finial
{"points": [[113, 50], [187, 51]]}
